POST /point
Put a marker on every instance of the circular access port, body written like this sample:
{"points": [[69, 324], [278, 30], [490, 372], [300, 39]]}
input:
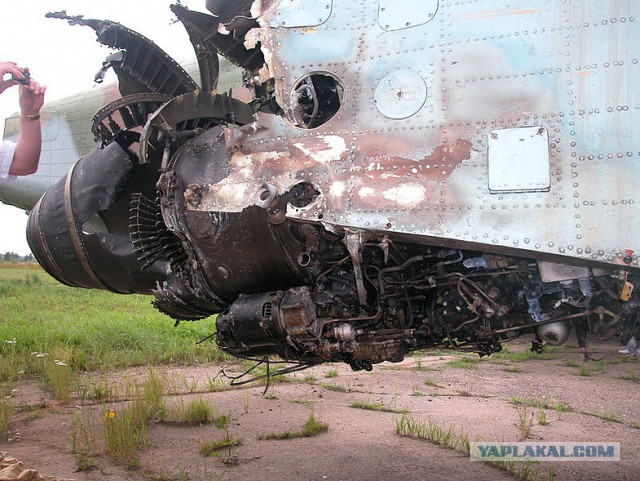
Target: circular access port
{"points": [[314, 99]]}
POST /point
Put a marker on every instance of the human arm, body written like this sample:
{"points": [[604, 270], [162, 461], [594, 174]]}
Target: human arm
{"points": [[27, 153]]}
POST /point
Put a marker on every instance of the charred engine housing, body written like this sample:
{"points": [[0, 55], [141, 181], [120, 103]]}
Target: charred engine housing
{"points": [[220, 266], [79, 230]]}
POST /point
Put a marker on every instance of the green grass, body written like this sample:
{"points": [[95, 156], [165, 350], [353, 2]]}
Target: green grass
{"points": [[464, 362], [448, 438], [602, 415], [198, 411], [558, 406], [573, 363], [335, 387], [312, 427], [376, 407], [208, 448], [6, 413], [523, 355], [98, 330], [433, 383], [630, 376], [433, 432], [331, 373]]}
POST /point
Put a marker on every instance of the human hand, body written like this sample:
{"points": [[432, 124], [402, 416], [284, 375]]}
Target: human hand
{"points": [[12, 69], [31, 97]]}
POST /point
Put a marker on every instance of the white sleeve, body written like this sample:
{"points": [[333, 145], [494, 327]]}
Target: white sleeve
{"points": [[7, 150]]}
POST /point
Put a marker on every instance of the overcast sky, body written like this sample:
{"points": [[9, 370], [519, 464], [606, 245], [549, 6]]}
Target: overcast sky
{"points": [[65, 59]]}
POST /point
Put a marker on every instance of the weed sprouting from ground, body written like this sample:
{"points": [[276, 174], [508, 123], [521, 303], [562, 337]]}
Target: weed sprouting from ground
{"points": [[83, 443], [631, 376], [459, 441], [522, 355], [558, 406], [512, 369], [245, 401], [525, 422], [585, 371], [6, 413], [207, 448], [335, 387], [463, 362], [312, 427], [434, 432], [376, 407], [542, 418], [433, 383], [59, 377], [125, 432], [198, 411], [331, 373], [573, 363]]}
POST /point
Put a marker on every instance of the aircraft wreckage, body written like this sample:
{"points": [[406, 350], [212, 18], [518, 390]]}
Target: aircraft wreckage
{"points": [[386, 176]]}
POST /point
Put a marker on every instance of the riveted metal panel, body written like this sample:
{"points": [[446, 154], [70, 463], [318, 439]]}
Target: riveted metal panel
{"points": [[519, 160], [488, 66], [399, 14], [302, 13], [400, 94]]}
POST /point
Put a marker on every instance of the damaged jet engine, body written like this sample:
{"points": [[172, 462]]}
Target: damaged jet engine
{"points": [[387, 176]]}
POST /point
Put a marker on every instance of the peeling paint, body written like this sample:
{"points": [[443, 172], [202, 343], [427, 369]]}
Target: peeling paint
{"points": [[336, 147], [406, 194], [337, 189]]}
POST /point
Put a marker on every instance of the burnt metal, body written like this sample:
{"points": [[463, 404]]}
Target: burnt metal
{"points": [[200, 28], [144, 67], [123, 115], [79, 229], [190, 114], [237, 20]]}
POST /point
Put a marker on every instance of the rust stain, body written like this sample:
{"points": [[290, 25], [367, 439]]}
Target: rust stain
{"points": [[453, 153], [436, 166]]}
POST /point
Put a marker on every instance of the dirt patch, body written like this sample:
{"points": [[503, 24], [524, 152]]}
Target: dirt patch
{"points": [[565, 400]]}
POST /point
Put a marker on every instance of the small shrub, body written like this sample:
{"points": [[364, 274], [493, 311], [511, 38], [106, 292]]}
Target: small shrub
{"points": [[221, 421]]}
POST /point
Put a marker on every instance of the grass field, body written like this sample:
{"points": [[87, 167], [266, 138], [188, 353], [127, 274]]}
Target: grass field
{"points": [[43, 321]]}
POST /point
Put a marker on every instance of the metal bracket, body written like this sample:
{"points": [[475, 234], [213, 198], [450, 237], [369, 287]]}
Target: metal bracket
{"points": [[354, 239]]}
